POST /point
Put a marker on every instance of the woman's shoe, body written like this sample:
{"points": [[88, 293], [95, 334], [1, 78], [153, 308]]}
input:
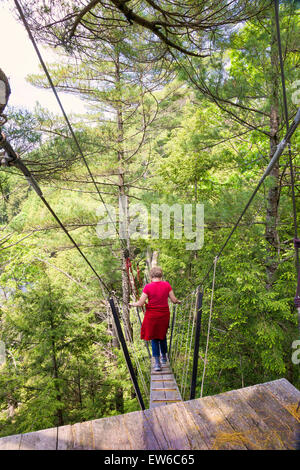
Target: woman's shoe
{"points": [[164, 359], [157, 366]]}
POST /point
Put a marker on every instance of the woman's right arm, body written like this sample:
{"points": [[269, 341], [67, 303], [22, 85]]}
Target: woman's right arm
{"points": [[173, 298], [140, 302]]}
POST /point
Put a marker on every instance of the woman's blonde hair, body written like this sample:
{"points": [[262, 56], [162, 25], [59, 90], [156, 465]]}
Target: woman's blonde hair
{"points": [[156, 272]]}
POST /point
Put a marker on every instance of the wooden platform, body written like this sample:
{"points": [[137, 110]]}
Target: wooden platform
{"points": [[258, 417], [164, 389]]}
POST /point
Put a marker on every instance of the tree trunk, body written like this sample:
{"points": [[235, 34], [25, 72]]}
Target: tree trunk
{"points": [[119, 400], [272, 236], [79, 386], [154, 260], [56, 373], [112, 331], [123, 200], [58, 394]]}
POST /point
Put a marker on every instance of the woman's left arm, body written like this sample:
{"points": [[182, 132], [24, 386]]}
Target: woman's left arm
{"points": [[140, 302], [173, 298]]}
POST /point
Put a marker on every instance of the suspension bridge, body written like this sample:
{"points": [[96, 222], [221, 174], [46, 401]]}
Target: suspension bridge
{"points": [[261, 416], [264, 416]]}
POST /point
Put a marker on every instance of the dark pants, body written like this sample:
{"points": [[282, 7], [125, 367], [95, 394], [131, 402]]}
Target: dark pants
{"points": [[159, 346]]}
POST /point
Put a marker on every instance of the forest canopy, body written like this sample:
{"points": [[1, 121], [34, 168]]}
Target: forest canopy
{"points": [[184, 106]]}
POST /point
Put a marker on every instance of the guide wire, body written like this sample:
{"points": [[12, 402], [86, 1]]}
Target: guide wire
{"points": [[42, 62], [11, 158]]}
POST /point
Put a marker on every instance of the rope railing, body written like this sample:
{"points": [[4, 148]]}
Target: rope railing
{"points": [[209, 325], [185, 349], [183, 352], [184, 344], [135, 352]]}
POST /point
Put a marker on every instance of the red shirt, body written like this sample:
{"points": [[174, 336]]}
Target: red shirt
{"points": [[158, 293]]}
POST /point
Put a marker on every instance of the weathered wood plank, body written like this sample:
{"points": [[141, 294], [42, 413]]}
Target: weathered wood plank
{"points": [[252, 430], [272, 413], [155, 380], [110, 434], [166, 389], [162, 374], [165, 401], [127, 432], [39, 440], [83, 436], [10, 442], [173, 395], [156, 428], [214, 425], [140, 431], [161, 396], [65, 438], [178, 394], [256, 417], [283, 391], [176, 429], [167, 392]]}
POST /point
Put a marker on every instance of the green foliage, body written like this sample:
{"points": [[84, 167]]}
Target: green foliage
{"points": [[62, 364]]}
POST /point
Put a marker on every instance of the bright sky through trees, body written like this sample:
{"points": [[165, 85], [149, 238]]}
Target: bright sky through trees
{"points": [[18, 59]]}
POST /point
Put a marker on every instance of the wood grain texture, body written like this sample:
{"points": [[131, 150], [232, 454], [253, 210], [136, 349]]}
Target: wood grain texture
{"points": [[214, 425], [40, 440], [11, 442], [246, 422], [163, 388], [260, 417], [175, 428], [278, 420]]}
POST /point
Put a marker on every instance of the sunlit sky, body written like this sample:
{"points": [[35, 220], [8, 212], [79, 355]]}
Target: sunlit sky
{"points": [[18, 59]]}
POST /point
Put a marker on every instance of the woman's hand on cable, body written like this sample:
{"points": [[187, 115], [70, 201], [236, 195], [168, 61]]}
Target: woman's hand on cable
{"points": [[140, 302]]}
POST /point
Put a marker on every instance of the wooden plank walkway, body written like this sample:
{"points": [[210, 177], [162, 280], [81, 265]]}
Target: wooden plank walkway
{"points": [[163, 388], [260, 417]]}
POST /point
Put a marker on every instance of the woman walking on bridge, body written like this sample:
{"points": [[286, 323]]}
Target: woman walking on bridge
{"points": [[156, 321]]}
